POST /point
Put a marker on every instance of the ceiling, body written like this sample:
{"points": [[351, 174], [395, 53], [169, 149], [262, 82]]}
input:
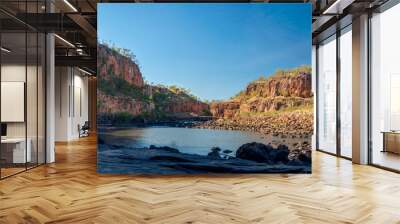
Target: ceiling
{"points": [[75, 21]]}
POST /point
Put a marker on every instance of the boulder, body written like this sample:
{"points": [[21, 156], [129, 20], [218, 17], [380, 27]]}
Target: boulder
{"points": [[305, 158], [227, 151], [165, 148], [254, 151], [215, 149], [214, 155], [295, 162], [280, 155]]}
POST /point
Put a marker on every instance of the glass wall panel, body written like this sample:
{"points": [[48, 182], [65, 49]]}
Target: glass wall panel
{"points": [[41, 98], [41, 88], [346, 92], [385, 88], [327, 95], [22, 66], [31, 98], [13, 111]]}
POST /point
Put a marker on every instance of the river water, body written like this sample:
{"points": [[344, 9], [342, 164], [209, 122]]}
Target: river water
{"points": [[193, 140]]}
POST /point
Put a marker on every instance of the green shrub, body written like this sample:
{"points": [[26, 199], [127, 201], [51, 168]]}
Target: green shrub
{"points": [[206, 112], [119, 87]]}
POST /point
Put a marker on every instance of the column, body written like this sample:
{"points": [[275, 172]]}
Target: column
{"points": [[360, 90]]}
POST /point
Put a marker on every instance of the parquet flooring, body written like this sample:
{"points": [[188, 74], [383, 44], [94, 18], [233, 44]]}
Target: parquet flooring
{"points": [[70, 191]]}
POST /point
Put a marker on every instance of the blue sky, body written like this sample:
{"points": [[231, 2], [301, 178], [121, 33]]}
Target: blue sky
{"points": [[215, 50]]}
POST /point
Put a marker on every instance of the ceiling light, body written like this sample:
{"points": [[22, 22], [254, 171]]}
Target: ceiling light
{"points": [[333, 6], [65, 41], [5, 50], [70, 5], [337, 7], [84, 71], [79, 51]]}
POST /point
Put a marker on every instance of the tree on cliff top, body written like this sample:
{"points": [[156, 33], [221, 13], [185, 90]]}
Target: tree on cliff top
{"points": [[119, 50], [304, 69]]}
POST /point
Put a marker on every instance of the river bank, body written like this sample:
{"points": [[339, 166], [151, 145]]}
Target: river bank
{"points": [[293, 129], [122, 152], [292, 124]]}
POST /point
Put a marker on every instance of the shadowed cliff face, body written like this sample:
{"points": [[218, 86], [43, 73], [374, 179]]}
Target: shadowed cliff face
{"points": [[121, 89], [117, 104], [283, 91], [110, 61]]}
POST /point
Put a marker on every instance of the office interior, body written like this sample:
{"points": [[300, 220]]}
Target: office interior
{"points": [[48, 79], [44, 90]]}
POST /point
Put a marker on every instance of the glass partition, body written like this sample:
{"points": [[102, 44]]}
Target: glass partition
{"points": [[41, 96], [13, 109], [31, 98], [327, 95], [385, 89], [22, 77], [346, 92]]}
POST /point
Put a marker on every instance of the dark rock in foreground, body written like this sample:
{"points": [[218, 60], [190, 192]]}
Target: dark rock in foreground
{"points": [[214, 154], [254, 151], [261, 153], [305, 158], [144, 161], [165, 148], [215, 149], [250, 158], [280, 154], [100, 141]]}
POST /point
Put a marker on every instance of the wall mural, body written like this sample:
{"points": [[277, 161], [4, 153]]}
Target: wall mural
{"points": [[204, 88]]}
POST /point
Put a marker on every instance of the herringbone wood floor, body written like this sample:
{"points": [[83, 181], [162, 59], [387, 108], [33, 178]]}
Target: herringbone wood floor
{"points": [[70, 191]]}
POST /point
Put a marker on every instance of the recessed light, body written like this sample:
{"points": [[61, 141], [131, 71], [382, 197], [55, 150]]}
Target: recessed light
{"points": [[84, 71], [64, 40], [70, 5], [5, 50]]}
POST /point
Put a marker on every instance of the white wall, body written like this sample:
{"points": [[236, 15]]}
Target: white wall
{"points": [[33, 126], [62, 82], [71, 94], [81, 105], [11, 73]]}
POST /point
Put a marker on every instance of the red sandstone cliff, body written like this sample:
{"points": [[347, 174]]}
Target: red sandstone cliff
{"points": [[286, 85], [284, 90], [121, 88], [110, 61]]}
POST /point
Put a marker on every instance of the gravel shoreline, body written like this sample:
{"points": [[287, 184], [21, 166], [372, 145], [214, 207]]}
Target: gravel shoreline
{"points": [[294, 124]]}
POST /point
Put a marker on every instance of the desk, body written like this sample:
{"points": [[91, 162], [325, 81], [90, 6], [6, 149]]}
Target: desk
{"points": [[391, 141], [18, 149]]}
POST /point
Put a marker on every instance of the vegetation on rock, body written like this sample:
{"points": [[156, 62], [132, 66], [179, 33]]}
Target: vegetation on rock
{"points": [[124, 96], [280, 103]]}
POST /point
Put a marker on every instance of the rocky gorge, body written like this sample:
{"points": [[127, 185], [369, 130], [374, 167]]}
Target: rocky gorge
{"points": [[269, 104], [124, 97], [280, 104], [272, 117]]}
